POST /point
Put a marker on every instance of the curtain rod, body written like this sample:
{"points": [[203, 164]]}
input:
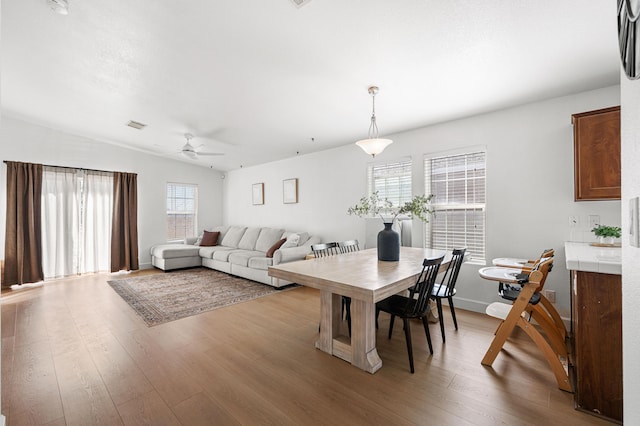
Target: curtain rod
{"points": [[65, 167]]}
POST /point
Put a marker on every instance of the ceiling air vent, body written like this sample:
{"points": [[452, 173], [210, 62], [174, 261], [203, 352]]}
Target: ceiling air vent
{"points": [[136, 125], [300, 3]]}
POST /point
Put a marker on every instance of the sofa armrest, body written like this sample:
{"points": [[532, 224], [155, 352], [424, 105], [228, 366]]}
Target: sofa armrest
{"points": [[294, 253]]}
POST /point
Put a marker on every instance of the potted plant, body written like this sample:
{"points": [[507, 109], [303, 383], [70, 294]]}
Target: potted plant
{"points": [[606, 234], [389, 240]]}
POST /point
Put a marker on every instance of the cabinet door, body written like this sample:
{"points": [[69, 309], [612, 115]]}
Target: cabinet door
{"points": [[598, 343], [597, 154]]}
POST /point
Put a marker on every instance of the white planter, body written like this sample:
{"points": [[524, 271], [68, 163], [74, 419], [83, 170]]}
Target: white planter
{"points": [[606, 240]]}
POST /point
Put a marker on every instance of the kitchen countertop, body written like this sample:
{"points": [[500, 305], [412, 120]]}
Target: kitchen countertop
{"points": [[587, 258]]}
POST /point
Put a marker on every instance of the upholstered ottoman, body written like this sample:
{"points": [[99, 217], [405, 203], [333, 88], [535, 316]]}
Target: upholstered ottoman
{"points": [[175, 256]]}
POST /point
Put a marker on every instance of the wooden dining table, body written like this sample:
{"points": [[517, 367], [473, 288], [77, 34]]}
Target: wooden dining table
{"points": [[366, 280]]}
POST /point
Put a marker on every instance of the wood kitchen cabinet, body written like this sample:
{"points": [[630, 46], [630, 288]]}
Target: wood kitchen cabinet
{"points": [[596, 142], [597, 343]]}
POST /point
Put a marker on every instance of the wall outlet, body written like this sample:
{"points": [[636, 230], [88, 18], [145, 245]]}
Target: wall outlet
{"points": [[550, 295], [594, 220], [573, 221]]}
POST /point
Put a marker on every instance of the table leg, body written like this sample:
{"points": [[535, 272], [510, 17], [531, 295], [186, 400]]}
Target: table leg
{"points": [[363, 336], [330, 305]]}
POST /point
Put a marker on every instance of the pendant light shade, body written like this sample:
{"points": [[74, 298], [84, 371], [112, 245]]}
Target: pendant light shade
{"points": [[373, 145], [61, 7]]}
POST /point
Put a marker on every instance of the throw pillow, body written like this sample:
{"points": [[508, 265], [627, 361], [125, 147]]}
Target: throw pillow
{"points": [[292, 241], [209, 239], [198, 241], [275, 247]]}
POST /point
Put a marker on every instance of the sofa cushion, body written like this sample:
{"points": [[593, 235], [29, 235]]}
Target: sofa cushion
{"points": [[248, 240], [207, 252], [261, 263], [209, 239], [172, 251], [241, 257], [275, 247], [268, 237], [233, 236], [222, 255], [292, 241]]}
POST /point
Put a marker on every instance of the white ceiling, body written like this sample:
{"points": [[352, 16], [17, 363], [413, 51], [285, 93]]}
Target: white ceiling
{"points": [[258, 79]]}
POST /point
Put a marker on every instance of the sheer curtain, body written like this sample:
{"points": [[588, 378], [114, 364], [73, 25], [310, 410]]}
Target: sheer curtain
{"points": [[60, 222], [95, 235], [76, 221]]}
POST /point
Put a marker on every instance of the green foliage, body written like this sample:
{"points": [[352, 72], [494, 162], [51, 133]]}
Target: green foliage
{"points": [[607, 231], [373, 205]]}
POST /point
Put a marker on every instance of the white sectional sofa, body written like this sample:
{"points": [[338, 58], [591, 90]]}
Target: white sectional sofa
{"points": [[240, 251]]}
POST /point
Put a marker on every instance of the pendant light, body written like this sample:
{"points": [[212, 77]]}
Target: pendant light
{"points": [[373, 145], [61, 7]]}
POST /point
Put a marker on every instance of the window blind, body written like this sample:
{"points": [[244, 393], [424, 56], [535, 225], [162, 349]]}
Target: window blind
{"points": [[392, 181], [458, 183], [182, 202]]}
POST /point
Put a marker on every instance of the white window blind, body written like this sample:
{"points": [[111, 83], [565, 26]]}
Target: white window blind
{"points": [[392, 181], [182, 203], [458, 183]]}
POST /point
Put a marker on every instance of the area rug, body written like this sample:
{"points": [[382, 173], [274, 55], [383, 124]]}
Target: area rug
{"points": [[160, 298]]}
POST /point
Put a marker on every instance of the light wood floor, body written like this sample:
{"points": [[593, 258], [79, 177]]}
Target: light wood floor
{"points": [[73, 352]]}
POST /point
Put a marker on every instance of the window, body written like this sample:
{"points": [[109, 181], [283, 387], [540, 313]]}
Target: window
{"points": [[458, 183], [392, 181], [182, 207]]}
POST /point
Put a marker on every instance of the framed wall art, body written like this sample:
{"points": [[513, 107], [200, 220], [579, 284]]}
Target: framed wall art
{"points": [[290, 191], [257, 193]]}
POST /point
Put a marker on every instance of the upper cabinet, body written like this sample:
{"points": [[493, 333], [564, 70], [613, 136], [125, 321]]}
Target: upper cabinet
{"points": [[596, 141]]}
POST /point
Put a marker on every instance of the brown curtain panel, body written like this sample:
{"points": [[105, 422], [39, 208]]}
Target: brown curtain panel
{"points": [[23, 240], [124, 229]]}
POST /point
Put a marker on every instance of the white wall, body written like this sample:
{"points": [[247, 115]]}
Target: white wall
{"points": [[630, 255], [529, 183], [22, 141]]}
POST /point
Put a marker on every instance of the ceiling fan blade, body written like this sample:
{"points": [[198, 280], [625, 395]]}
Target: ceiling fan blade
{"points": [[209, 153]]}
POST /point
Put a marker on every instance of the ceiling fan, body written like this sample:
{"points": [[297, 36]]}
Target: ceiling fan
{"points": [[190, 152]]}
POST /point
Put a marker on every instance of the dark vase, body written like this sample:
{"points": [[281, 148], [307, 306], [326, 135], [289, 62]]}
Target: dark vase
{"points": [[388, 244]]}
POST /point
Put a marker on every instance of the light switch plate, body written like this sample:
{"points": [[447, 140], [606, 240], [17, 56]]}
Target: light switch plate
{"points": [[634, 234]]}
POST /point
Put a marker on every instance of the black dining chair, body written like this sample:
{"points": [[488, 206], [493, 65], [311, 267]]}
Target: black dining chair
{"points": [[446, 289], [324, 249], [412, 307], [348, 246]]}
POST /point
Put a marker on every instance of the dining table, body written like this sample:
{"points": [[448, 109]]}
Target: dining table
{"points": [[366, 280]]}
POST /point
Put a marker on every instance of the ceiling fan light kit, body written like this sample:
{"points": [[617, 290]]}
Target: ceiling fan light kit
{"points": [[373, 145], [60, 7], [190, 152]]}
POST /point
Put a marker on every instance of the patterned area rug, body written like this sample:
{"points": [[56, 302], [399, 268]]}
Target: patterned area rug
{"points": [[160, 298]]}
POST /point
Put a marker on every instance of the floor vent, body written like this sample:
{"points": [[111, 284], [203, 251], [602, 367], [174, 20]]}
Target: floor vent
{"points": [[136, 125]]}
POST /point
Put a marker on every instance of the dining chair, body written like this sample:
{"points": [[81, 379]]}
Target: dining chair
{"points": [[446, 289], [324, 249], [410, 307], [348, 246]]}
